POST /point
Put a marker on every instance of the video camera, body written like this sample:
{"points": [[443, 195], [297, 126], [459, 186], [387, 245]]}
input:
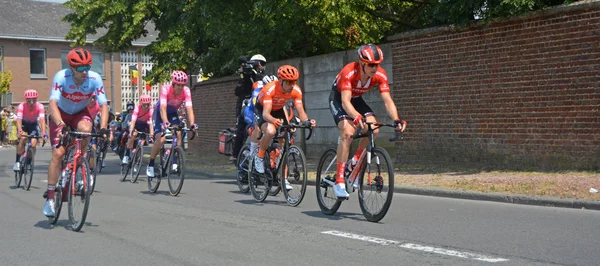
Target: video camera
{"points": [[248, 67]]}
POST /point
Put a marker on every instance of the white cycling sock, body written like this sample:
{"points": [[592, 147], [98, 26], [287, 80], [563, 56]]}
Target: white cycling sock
{"points": [[253, 146]]}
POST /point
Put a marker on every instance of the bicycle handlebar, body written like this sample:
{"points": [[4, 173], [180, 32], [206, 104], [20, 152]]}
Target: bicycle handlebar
{"points": [[358, 134], [291, 126]]}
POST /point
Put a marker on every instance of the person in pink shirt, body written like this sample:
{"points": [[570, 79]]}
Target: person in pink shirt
{"points": [[28, 115], [172, 96], [141, 121]]}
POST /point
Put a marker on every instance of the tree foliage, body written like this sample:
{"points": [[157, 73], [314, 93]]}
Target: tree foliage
{"points": [[6, 77], [212, 34]]}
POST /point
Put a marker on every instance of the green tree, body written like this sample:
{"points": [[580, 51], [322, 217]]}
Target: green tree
{"points": [[6, 77], [212, 34]]}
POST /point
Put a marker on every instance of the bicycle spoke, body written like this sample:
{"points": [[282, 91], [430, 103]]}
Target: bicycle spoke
{"points": [[376, 186]]}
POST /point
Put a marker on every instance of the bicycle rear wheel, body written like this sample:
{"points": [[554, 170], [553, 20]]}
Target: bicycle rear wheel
{"points": [[125, 169], [260, 184], [79, 196], [100, 155], [376, 186], [176, 171], [242, 168], [326, 170], [136, 163], [28, 172], [294, 171]]}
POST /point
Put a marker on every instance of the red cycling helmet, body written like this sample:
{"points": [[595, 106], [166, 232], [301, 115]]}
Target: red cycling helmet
{"points": [[287, 72], [31, 94], [179, 77], [370, 54], [145, 99], [79, 57]]}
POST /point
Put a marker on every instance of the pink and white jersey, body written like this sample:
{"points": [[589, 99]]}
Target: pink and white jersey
{"points": [[168, 98], [93, 110], [142, 117], [30, 115]]}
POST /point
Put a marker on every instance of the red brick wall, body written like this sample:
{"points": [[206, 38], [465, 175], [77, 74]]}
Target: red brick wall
{"points": [[214, 109], [517, 94]]}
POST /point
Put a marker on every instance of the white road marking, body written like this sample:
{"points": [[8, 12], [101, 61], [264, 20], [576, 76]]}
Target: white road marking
{"points": [[442, 251]]}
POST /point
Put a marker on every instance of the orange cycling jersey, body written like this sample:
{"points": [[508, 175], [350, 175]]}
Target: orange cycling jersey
{"points": [[349, 79], [273, 94]]}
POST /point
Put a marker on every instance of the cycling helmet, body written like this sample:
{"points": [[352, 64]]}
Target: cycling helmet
{"points": [[79, 57], [179, 77], [31, 94], [260, 58], [370, 54], [269, 78], [130, 105], [287, 72], [145, 98]]}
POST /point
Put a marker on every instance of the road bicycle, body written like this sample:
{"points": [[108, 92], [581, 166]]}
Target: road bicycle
{"points": [[74, 181], [292, 163], [137, 157], [170, 164], [375, 175], [26, 164], [101, 146]]}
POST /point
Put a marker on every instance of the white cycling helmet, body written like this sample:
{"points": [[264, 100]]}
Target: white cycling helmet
{"points": [[269, 78], [259, 57]]}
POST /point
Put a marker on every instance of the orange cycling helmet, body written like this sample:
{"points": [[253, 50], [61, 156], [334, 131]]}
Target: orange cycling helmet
{"points": [[370, 54], [287, 72], [79, 57], [145, 98], [31, 94]]}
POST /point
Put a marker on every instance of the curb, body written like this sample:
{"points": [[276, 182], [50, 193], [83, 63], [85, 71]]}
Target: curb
{"points": [[470, 195]]}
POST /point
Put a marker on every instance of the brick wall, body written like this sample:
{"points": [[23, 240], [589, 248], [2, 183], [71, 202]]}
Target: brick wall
{"points": [[214, 109], [517, 94]]}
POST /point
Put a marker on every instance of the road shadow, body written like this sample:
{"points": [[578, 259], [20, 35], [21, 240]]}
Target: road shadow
{"points": [[45, 224], [161, 193], [266, 202], [336, 216], [226, 182]]}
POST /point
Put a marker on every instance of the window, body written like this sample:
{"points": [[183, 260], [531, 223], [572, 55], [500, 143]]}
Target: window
{"points": [[37, 63], [1, 59], [97, 63]]}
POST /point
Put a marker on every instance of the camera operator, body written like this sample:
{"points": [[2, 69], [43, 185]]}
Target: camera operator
{"points": [[250, 71]]}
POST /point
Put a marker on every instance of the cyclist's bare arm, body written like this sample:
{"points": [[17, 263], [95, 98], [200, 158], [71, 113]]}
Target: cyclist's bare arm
{"points": [[54, 112], [104, 116], [190, 114], [347, 105], [19, 126], [301, 113], [267, 113], [390, 106], [163, 113]]}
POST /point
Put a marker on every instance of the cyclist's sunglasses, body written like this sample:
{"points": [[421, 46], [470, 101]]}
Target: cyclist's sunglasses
{"points": [[373, 65], [31, 100], [290, 82], [146, 105], [83, 68]]}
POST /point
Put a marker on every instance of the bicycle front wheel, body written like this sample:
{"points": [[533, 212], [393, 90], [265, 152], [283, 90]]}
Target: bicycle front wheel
{"points": [[242, 168], [79, 196], [294, 175], [136, 163], [28, 173], [176, 171], [376, 181], [99, 156], [260, 184], [325, 178]]}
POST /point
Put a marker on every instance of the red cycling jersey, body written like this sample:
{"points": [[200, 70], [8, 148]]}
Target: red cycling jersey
{"points": [[349, 79]]}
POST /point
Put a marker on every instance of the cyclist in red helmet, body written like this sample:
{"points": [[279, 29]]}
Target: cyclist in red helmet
{"points": [[172, 96], [29, 113], [269, 110], [71, 92], [348, 107]]}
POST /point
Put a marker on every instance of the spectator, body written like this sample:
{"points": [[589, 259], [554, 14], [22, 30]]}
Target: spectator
{"points": [[250, 71]]}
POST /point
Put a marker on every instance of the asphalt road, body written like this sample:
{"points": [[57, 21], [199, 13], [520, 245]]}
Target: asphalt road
{"points": [[211, 223]]}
